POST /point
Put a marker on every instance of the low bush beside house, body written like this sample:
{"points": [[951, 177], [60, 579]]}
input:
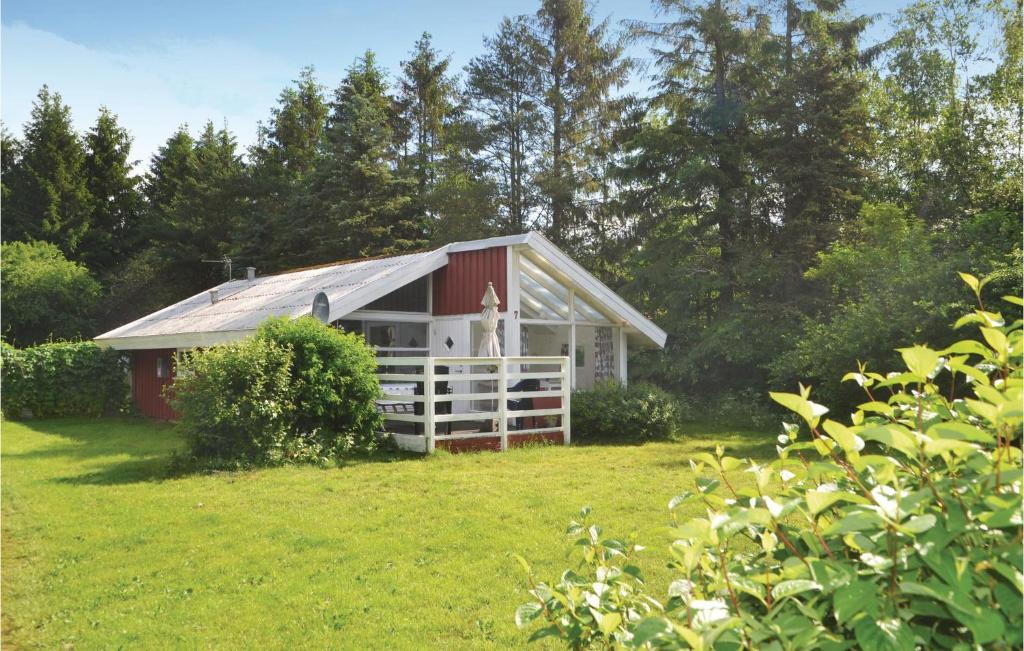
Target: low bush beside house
{"points": [[298, 391], [72, 378], [899, 529], [635, 413]]}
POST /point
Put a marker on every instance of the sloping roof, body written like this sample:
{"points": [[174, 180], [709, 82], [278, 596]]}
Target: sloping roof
{"points": [[243, 304]]}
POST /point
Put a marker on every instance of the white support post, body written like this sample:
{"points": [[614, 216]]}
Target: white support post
{"points": [[623, 357], [567, 363], [503, 404], [428, 404], [572, 338]]}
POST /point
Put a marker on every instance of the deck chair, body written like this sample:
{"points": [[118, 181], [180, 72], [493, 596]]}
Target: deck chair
{"points": [[522, 404]]}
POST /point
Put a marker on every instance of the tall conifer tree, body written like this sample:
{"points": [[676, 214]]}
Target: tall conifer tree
{"points": [[114, 188], [49, 198], [361, 204]]}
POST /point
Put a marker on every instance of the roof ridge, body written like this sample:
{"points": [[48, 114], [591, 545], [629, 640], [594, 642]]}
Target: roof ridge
{"points": [[342, 263]]}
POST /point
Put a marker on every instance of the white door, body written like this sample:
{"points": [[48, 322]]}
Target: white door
{"points": [[449, 337]]}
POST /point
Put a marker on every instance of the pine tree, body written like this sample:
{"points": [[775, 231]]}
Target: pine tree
{"points": [[360, 204], [49, 198], [502, 87], [114, 189], [581, 66]]}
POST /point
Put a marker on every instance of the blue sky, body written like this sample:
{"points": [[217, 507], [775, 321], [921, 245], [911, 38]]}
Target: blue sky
{"points": [[158, 64]]}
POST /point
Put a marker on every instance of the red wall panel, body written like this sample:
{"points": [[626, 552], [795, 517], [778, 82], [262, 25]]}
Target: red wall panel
{"points": [[459, 286], [147, 388]]}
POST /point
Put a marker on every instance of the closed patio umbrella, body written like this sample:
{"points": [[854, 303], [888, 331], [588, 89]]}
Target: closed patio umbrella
{"points": [[490, 346]]}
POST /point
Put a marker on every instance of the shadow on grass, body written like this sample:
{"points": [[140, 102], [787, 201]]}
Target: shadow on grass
{"points": [[153, 450], [739, 441]]}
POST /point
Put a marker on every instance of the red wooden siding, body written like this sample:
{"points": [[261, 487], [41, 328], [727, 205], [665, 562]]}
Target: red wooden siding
{"points": [[147, 388], [459, 286]]}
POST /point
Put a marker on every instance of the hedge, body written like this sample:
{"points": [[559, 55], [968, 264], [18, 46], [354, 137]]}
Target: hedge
{"points": [[63, 379]]}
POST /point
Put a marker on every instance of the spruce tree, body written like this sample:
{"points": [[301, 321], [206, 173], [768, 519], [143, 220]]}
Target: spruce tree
{"points": [[580, 67], [281, 166], [114, 189], [360, 204], [816, 129], [502, 88], [428, 102], [49, 197]]}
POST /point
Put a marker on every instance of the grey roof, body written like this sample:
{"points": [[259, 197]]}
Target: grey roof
{"points": [[243, 304]]}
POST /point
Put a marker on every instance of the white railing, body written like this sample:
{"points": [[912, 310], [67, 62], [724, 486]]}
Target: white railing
{"points": [[410, 382]]}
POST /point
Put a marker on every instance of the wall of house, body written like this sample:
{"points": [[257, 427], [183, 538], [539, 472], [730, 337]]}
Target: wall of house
{"points": [[459, 286], [147, 387]]}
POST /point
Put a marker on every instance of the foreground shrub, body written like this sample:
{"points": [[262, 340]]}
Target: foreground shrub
{"points": [[297, 391], [63, 379], [234, 403], [334, 381], [611, 412], [899, 530]]}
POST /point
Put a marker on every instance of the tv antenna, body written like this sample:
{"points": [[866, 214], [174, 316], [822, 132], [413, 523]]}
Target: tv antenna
{"points": [[226, 261]]}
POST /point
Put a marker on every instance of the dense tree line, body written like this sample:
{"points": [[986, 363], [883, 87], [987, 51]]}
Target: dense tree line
{"points": [[786, 194]]}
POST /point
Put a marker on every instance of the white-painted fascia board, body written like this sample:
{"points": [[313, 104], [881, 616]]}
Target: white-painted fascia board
{"points": [[177, 340]]}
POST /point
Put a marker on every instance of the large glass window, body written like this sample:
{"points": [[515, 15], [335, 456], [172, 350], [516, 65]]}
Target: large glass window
{"points": [[392, 337], [540, 295], [587, 312]]}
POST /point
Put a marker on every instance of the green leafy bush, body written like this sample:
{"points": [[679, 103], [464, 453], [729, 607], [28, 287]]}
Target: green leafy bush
{"points": [[898, 530], [297, 391], [611, 412], [334, 379], [63, 379], [44, 294]]}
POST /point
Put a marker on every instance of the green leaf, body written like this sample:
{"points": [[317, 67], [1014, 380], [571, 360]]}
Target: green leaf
{"points": [[610, 622], [794, 586], [527, 612], [893, 436], [541, 633], [651, 629], [884, 634], [971, 281], [959, 432], [1016, 300], [918, 523], [809, 411], [966, 347], [855, 598], [859, 520], [841, 434], [818, 501], [921, 360], [942, 446], [997, 341]]}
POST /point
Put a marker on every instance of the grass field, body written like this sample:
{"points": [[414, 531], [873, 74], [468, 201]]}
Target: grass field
{"points": [[102, 550]]}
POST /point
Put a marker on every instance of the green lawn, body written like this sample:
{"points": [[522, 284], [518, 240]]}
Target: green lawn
{"points": [[102, 550]]}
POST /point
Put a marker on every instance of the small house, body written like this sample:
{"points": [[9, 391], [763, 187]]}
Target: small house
{"points": [[559, 328]]}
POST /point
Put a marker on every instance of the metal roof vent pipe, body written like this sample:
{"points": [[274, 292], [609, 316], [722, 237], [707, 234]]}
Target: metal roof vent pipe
{"points": [[214, 295], [250, 273]]}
